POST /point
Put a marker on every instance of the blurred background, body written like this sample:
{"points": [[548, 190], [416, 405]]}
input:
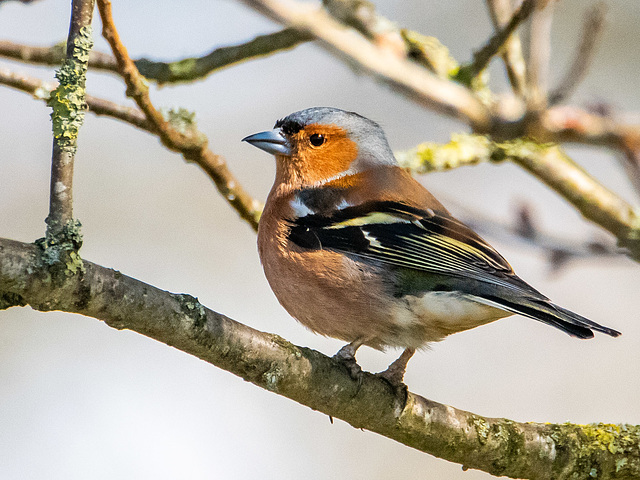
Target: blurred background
{"points": [[79, 400]]}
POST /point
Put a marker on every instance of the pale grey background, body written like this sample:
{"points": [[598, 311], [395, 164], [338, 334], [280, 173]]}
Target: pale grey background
{"points": [[79, 400]]}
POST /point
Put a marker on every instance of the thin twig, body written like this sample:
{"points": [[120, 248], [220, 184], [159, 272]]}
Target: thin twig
{"points": [[566, 123], [501, 12], [68, 104], [184, 70], [187, 140], [539, 55], [53, 55], [100, 106], [631, 161], [41, 90], [401, 74], [591, 34], [482, 57], [190, 69]]}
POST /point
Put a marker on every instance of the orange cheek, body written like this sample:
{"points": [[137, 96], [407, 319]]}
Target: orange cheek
{"points": [[330, 159]]}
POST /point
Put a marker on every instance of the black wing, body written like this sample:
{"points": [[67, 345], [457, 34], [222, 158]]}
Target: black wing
{"points": [[435, 242], [405, 236]]}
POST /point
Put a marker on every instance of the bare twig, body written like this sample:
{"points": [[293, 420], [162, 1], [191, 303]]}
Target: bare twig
{"points": [[184, 70], [68, 104], [631, 161], [501, 12], [524, 230], [186, 139], [591, 34], [482, 57], [401, 74], [497, 446], [573, 124], [539, 54]]}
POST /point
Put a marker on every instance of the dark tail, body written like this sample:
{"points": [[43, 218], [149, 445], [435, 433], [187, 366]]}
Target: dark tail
{"points": [[556, 316]]}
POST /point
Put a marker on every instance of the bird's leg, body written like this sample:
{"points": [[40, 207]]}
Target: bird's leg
{"points": [[347, 356], [395, 373]]}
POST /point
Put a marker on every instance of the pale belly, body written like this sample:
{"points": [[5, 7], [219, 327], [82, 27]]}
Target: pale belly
{"points": [[435, 315]]}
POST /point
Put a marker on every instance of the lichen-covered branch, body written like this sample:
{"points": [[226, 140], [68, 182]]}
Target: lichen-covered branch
{"points": [[177, 129], [53, 55], [100, 106], [401, 74], [551, 165], [184, 70], [67, 102], [424, 50], [189, 69], [497, 446], [42, 90]]}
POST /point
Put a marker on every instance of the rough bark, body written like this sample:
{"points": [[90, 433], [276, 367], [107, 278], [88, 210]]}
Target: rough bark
{"points": [[498, 446]]}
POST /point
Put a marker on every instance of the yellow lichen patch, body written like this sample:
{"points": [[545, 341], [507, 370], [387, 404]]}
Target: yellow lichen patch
{"points": [[604, 436]]}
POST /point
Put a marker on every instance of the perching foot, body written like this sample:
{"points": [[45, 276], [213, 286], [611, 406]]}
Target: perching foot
{"points": [[395, 373], [347, 357]]}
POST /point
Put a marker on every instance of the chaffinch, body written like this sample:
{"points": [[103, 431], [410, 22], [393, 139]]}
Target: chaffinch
{"points": [[355, 248]]}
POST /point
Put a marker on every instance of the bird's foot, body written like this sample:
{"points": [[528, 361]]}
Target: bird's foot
{"points": [[394, 374], [347, 357]]}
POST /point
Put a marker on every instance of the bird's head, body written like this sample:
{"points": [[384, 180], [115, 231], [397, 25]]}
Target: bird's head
{"points": [[319, 144]]}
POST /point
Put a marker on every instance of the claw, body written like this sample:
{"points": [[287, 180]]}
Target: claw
{"points": [[395, 373], [347, 357]]}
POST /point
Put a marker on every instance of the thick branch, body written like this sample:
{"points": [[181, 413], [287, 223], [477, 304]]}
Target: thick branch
{"points": [[497, 446], [401, 74], [68, 104]]}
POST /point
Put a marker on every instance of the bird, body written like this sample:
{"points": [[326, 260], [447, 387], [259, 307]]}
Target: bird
{"points": [[355, 248]]}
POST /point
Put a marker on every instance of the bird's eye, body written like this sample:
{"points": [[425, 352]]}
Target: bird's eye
{"points": [[317, 139]]}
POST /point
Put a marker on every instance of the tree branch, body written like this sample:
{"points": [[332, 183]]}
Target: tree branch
{"points": [[482, 57], [42, 91], [539, 54], [400, 74], [591, 34], [497, 446], [184, 70], [68, 104], [501, 12]]}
